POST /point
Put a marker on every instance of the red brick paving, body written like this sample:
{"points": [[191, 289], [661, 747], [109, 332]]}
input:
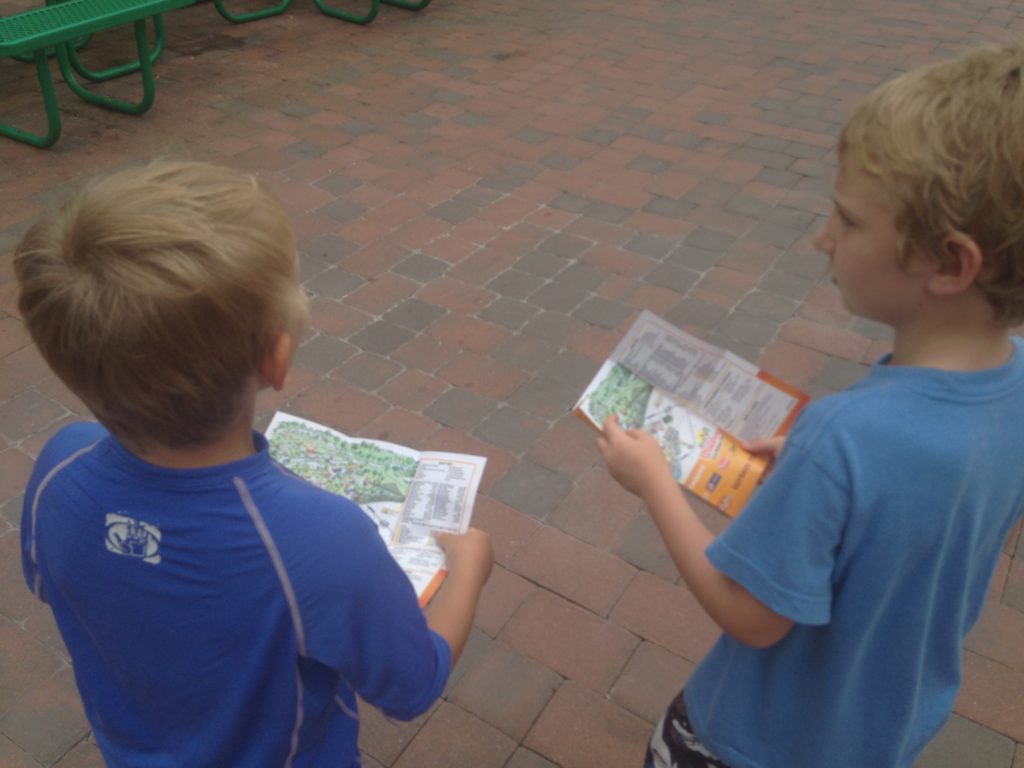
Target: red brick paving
{"points": [[504, 593], [597, 509], [652, 677], [476, 190], [686, 631], [581, 728], [584, 574], [571, 640], [526, 686], [454, 738]]}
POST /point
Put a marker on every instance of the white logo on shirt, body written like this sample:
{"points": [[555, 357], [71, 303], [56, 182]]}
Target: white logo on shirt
{"points": [[134, 538]]}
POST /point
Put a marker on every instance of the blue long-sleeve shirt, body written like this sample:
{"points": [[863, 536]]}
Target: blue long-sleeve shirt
{"points": [[221, 616]]}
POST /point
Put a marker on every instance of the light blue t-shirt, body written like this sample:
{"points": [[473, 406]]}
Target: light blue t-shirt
{"points": [[221, 616], [877, 533]]}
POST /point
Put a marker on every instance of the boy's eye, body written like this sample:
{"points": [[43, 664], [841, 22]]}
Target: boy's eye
{"points": [[844, 219]]}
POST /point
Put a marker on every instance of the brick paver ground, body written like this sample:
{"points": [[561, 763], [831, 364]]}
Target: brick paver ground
{"points": [[485, 194]]}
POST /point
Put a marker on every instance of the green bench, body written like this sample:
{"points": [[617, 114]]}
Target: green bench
{"points": [[324, 6], [56, 27]]}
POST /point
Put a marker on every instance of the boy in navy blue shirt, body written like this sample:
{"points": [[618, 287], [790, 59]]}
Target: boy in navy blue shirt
{"points": [[218, 610], [845, 588]]}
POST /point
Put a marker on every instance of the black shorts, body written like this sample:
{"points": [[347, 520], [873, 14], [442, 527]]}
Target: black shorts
{"points": [[674, 745]]}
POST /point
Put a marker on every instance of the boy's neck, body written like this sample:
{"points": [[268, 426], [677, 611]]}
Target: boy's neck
{"points": [[233, 444], [968, 353], [958, 342]]}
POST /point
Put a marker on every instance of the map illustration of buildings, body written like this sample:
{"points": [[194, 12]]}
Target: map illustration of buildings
{"points": [[679, 431], [360, 470], [640, 406]]}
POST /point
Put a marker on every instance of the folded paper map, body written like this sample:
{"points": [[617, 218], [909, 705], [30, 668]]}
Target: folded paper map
{"points": [[410, 495], [699, 401]]}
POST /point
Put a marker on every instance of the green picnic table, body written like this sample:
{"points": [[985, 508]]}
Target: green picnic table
{"points": [[53, 29]]}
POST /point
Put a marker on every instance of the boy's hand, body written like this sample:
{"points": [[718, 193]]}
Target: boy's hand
{"points": [[469, 555], [634, 457], [768, 448], [450, 613]]}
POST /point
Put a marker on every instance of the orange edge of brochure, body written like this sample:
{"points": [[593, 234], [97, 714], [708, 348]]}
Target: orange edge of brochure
{"points": [[579, 414], [432, 587], [802, 398]]}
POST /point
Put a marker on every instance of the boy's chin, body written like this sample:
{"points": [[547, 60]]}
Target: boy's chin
{"points": [[852, 308]]}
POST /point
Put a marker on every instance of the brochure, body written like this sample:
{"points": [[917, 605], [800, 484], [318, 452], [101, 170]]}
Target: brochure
{"points": [[699, 401], [410, 495]]}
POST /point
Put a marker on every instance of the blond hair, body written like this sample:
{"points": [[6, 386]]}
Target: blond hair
{"points": [[156, 292], [947, 142]]}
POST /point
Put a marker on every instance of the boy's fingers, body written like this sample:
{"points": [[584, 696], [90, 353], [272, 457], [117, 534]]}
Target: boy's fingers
{"points": [[611, 425], [764, 445], [611, 432]]}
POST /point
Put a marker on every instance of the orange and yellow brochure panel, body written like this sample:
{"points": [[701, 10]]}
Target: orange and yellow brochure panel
{"points": [[724, 474]]}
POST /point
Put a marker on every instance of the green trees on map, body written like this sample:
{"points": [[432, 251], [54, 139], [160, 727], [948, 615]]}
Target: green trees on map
{"points": [[362, 471], [622, 393]]}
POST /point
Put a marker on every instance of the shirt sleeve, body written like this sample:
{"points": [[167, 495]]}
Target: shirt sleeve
{"points": [[362, 617], [64, 445], [782, 547]]}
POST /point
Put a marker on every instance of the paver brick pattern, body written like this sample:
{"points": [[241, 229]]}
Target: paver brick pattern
{"points": [[484, 196]]}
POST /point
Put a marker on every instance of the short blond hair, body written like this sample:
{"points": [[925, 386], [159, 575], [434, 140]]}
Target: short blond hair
{"points": [[155, 293], [947, 142]]}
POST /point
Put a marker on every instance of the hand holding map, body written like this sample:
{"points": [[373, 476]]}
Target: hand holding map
{"points": [[698, 401], [410, 495]]}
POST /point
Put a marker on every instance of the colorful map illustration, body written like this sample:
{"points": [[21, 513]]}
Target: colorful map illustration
{"points": [[680, 432], [361, 470], [622, 393]]}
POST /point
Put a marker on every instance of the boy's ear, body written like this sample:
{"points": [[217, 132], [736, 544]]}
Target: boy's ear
{"points": [[962, 262], [277, 360]]}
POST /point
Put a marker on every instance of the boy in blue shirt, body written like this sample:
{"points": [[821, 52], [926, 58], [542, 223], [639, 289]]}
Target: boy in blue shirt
{"points": [[218, 610], [845, 589]]}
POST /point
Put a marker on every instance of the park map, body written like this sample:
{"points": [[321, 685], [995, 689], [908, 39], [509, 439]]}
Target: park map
{"points": [[361, 470], [410, 495]]}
